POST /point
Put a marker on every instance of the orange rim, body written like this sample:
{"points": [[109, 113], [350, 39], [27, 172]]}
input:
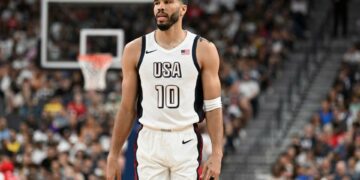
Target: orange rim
{"points": [[97, 60]]}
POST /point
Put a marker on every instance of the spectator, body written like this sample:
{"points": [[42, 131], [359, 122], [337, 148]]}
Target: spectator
{"points": [[340, 8], [249, 90], [325, 113], [12, 146], [353, 172], [299, 10], [352, 56], [7, 168], [341, 171], [4, 131], [77, 106], [278, 172], [308, 140]]}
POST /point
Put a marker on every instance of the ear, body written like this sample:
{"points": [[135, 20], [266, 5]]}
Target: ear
{"points": [[183, 10]]}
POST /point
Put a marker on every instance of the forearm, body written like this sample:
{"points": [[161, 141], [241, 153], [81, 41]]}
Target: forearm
{"points": [[214, 124], [122, 126]]}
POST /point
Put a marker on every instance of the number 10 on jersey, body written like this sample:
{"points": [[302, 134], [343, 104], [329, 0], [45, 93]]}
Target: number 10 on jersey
{"points": [[168, 96]]}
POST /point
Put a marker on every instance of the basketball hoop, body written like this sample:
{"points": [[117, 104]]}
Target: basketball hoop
{"points": [[94, 67]]}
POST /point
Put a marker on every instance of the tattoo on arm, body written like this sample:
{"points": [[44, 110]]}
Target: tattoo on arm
{"points": [[201, 39]]}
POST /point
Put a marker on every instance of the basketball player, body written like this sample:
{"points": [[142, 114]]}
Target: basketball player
{"points": [[172, 75]]}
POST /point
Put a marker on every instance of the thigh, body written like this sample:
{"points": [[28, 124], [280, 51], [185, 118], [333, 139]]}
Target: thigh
{"points": [[186, 156], [152, 171], [148, 160], [186, 172]]}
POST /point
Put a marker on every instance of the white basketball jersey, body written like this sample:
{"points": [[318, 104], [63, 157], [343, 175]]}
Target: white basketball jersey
{"points": [[170, 94]]}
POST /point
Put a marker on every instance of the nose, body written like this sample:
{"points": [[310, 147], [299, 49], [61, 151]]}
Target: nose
{"points": [[161, 6]]}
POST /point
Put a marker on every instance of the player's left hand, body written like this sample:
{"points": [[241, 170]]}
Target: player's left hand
{"points": [[212, 168]]}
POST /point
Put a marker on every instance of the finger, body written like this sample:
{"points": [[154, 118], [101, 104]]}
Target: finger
{"points": [[112, 176], [205, 169], [208, 174], [109, 177], [118, 175], [211, 175]]}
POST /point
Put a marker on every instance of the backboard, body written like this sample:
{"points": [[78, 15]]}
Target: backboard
{"points": [[70, 28]]}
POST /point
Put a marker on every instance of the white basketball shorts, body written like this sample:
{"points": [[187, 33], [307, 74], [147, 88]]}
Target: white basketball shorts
{"points": [[168, 155]]}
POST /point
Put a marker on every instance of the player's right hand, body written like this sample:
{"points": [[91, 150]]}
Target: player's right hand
{"points": [[113, 171]]}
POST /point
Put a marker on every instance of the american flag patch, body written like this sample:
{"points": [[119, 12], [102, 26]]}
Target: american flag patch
{"points": [[185, 51]]}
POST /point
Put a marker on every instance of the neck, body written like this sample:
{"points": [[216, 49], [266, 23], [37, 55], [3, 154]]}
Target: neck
{"points": [[170, 38]]}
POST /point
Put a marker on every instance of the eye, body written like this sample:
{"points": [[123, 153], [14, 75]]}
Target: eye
{"points": [[156, 2]]}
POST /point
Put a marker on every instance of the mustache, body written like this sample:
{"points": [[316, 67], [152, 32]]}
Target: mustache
{"points": [[161, 13]]}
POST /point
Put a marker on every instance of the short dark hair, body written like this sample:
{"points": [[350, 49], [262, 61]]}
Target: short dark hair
{"points": [[185, 1]]}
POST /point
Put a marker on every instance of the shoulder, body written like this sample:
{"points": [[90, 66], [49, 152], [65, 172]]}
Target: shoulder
{"points": [[134, 45], [132, 51], [205, 44], [206, 52]]}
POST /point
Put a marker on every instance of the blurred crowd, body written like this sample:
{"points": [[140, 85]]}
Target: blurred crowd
{"points": [[50, 128], [329, 147]]}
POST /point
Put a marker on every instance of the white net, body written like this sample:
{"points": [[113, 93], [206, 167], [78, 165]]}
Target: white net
{"points": [[94, 69]]}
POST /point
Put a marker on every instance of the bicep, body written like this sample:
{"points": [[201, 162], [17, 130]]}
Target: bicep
{"points": [[209, 71], [130, 81]]}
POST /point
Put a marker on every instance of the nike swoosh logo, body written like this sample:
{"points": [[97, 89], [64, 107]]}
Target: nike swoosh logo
{"points": [[184, 142], [147, 52]]}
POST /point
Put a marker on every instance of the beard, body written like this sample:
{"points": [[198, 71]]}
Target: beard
{"points": [[171, 21]]}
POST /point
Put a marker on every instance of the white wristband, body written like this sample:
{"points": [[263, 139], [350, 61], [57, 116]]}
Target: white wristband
{"points": [[212, 104]]}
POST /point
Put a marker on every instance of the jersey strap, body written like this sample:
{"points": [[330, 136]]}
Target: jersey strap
{"points": [[143, 44], [194, 53]]}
